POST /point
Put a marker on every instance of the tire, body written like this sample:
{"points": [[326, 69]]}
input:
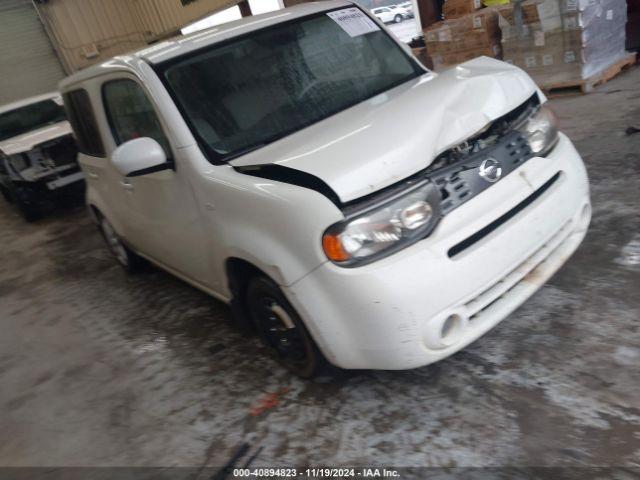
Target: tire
{"points": [[397, 18], [127, 259], [6, 194], [29, 212], [281, 328]]}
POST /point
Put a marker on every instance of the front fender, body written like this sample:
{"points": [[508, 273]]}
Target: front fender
{"points": [[275, 226]]}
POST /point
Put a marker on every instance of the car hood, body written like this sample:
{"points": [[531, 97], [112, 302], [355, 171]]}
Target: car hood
{"points": [[27, 141], [398, 133]]}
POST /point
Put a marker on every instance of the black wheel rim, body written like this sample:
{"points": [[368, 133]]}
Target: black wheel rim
{"points": [[276, 326]]}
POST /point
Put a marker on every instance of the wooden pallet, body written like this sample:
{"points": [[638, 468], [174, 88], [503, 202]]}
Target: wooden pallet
{"points": [[587, 85]]}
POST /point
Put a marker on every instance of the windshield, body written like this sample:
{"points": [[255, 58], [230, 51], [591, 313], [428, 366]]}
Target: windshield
{"points": [[263, 86], [30, 117]]}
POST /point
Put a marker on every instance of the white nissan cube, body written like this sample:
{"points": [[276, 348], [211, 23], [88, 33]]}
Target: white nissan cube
{"points": [[349, 204]]}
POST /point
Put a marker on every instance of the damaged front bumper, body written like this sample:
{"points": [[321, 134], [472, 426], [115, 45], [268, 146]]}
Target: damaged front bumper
{"points": [[483, 260], [37, 177], [40, 192], [61, 182]]}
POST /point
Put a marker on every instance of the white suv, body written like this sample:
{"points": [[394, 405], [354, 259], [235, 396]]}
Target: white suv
{"points": [[351, 205], [406, 8], [388, 14]]}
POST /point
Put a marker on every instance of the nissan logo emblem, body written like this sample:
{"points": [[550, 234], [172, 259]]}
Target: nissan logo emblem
{"points": [[490, 170]]}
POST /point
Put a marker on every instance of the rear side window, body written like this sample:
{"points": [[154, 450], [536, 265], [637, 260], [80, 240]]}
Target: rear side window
{"points": [[83, 122], [131, 114]]}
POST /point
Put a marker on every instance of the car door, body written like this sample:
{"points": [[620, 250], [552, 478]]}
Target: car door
{"points": [[103, 189], [163, 221]]}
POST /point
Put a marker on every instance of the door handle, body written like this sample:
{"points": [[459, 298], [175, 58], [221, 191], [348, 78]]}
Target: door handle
{"points": [[127, 186], [93, 175]]}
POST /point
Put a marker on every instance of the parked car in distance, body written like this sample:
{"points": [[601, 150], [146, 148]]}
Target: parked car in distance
{"points": [[288, 186], [407, 8], [37, 154], [387, 15]]}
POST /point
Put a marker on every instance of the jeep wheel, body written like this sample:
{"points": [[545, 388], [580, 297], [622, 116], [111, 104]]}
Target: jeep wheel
{"points": [[6, 194], [28, 211], [123, 255], [397, 18], [281, 328]]}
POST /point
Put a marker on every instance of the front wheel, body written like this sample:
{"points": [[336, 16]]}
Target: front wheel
{"points": [[123, 255], [397, 18], [6, 194], [282, 329], [28, 210]]}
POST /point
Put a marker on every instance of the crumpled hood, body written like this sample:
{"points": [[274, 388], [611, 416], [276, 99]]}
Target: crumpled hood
{"points": [[398, 133], [26, 142]]}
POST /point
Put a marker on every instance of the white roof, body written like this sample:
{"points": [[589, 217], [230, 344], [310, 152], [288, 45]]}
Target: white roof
{"points": [[181, 45], [27, 101]]}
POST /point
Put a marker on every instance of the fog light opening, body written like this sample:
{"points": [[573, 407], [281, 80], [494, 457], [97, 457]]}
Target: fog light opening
{"points": [[585, 215], [450, 329]]}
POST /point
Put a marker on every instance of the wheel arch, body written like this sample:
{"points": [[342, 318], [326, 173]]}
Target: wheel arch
{"points": [[94, 212], [98, 210], [239, 272]]}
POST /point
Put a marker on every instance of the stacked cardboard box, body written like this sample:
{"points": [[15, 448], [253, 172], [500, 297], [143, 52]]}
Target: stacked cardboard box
{"points": [[560, 41], [458, 8], [460, 39], [422, 55]]}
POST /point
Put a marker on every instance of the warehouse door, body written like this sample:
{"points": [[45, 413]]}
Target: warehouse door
{"points": [[28, 63]]}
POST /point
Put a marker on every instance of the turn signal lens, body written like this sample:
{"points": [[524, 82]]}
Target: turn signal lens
{"points": [[333, 248]]}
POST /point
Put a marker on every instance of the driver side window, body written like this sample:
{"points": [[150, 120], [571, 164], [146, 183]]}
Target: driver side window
{"points": [[131, 114]]}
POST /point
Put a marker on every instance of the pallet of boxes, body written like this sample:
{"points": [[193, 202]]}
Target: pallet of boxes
{"points": [[469, 30], [565, 43]]}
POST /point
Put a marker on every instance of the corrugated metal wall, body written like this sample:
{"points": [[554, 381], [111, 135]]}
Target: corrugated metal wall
{"points": [[29, 63], [162, 18], [77, 26], [117, 26]]}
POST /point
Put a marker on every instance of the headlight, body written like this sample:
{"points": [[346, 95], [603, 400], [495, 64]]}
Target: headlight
{"points": [[384, 228], [541, 129]]}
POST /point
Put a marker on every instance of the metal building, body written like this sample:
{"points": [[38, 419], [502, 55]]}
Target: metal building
{"points": [[42, 40], [29, 62]]}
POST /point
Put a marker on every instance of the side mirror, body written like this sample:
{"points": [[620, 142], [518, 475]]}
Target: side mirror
{"points": [[140, 156]]}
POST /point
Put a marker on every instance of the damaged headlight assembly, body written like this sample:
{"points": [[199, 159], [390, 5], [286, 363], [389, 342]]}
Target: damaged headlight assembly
{"points": [[385, 228], [541, 130]]}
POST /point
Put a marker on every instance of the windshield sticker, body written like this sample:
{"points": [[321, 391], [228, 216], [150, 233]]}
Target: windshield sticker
{"points": [[353, 21]]}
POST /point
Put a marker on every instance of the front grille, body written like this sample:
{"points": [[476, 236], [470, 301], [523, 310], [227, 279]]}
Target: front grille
{"points": [[456, 171], [462, 181]]}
